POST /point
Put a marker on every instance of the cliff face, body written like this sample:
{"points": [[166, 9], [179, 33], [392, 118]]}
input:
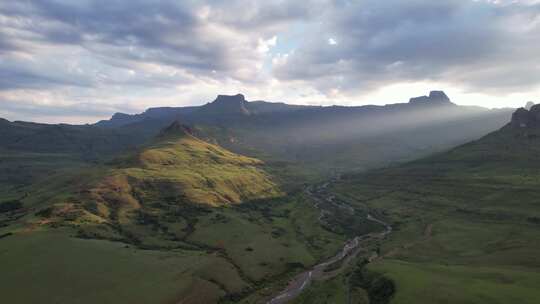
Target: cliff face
{"points": [[435, 98], [227, 105], [523, 118]]}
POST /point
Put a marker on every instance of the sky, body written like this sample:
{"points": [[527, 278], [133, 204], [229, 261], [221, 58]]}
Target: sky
{"points": [[80, 61]]}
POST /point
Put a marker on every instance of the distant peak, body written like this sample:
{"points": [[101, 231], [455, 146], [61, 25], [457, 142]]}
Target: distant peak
{"points": [[529, 105], [435, 97], [439, 96], [230, 98], [229, 104], [119, 115], [176, 129]]}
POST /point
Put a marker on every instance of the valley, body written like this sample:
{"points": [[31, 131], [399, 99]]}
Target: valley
{"points": [[270, 152], [232, 203], [350, 251]]}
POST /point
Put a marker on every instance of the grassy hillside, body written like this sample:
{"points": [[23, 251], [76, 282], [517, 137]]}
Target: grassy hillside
{"points": [[180, 220], [180, 167], [466, 221], [188, 254], [178, 171]]}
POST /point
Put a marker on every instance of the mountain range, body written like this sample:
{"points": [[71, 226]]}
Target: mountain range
{"points": [[315, 140], [232, 201]]}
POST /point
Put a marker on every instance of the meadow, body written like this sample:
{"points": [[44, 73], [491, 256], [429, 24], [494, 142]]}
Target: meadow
{"points": [[465, 222]]}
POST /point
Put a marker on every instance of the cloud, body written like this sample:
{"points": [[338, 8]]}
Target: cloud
{"points": [[476, 44], [92, 51], [135, 54]]}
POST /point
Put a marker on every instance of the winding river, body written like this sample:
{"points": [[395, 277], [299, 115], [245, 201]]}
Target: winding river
{"points": [[302, 280]]}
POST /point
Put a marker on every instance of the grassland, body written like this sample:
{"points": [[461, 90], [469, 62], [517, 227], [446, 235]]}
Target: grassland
{"points": [[53, 267], [236, 253], [176, 170], [163, 224], [182, 220], [466, 221], [331, 291]]}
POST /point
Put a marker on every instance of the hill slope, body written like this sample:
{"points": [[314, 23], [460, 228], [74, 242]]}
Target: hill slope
{"points": [[466, 221], [163, 224], [183, 166], [177, 168]]}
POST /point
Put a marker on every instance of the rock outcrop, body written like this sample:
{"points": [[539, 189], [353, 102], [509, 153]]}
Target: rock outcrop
{"points": [[523, 118], [176, 129], [227, 105], [434, 98]]}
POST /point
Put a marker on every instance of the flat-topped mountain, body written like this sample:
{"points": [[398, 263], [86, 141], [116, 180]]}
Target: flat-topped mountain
{"points": [[434, 98], [231, 107], [226, 105]]}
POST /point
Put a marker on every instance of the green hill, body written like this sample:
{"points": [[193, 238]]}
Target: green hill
{"points": [[178, 221], [183, 220], [465, 222], [176, 169]]}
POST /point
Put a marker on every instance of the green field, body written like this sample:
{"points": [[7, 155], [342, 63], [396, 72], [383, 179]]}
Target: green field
{"points": [[54, 267], [159, 225], [424, 282], [243, 252], [465, 222], [181, 220]]}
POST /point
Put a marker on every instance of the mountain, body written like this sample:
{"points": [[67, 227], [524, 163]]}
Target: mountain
{"points": [[434, 98], [210, 225], [301, 142], [527, 119], [161, 113], [207, 225], [337, 137], [222, 105], [226, 105], [31, 152], [177, 168], [84, 140], [465, 217]]}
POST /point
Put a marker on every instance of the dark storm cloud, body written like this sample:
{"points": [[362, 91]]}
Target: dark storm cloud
{"points": [[477, 44]]}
